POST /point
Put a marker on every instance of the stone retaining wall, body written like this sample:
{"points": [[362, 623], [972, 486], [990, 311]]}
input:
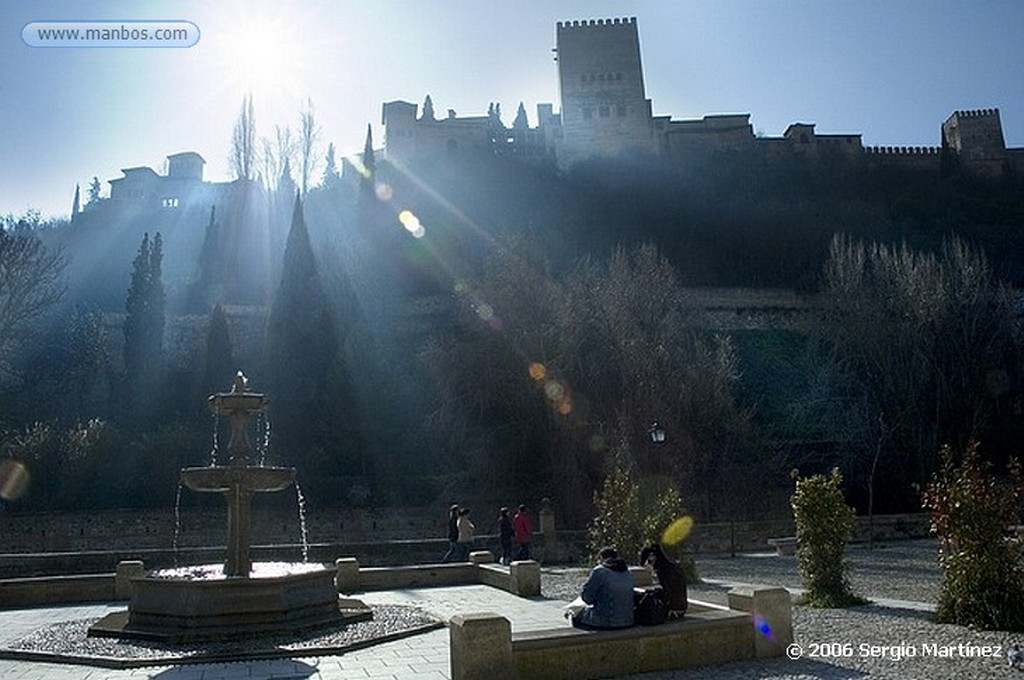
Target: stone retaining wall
{"points": [[417, 529], [568, 547]]}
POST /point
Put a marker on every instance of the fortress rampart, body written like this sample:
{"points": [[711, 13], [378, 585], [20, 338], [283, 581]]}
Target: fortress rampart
{"points": [[605, 113]]}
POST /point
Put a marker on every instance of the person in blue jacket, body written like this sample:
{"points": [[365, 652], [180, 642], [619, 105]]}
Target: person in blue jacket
{"points": [[608, 594]]}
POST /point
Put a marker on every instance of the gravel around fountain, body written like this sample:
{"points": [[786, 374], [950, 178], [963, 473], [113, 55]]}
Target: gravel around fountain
{"points": [[67, 642]]}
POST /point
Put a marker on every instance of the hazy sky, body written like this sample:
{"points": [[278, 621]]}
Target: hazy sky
{"points": [[891, 70]]}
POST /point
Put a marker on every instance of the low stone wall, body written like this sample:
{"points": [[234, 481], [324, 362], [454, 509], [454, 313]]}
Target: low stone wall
{"points": [[757, 624], [567, 547], [34, 592], [520, 578]]}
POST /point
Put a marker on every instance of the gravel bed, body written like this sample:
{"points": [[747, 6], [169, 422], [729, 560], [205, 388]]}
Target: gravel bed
{"points": [[68, 641], [887, 640]]}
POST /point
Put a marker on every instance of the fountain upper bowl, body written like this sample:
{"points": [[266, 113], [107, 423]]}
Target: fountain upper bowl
{"points": [[244, 478], [244, 402]]}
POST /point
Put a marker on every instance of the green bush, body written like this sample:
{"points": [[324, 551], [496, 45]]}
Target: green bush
{"points": [[983, 576], [824, 522], [624, 521]]}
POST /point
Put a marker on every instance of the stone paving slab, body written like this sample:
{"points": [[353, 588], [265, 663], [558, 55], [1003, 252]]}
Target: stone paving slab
{"points": [[422, 657]]}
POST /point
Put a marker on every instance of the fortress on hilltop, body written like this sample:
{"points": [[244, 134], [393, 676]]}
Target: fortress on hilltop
{"points": [[605, 112]]}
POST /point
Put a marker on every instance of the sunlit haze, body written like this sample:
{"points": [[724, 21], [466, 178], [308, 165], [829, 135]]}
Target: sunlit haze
{"points": [[892, 71]]}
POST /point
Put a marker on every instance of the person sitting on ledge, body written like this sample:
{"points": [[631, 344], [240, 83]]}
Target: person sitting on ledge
{"points": [[670, 578], [607, 598]]}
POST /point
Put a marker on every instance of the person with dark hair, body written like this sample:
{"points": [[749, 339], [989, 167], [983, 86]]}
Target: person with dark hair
{"points": [[523, 530], [453, 534], [670, 578], [607, 594], [505, 532]]}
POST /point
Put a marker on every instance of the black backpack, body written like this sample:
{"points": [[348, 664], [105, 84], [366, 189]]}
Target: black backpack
{"points": [[650, 608]]}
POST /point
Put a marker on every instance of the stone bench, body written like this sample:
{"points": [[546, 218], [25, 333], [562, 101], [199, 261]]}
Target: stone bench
{"points": [[757, 624], [784, 545]]}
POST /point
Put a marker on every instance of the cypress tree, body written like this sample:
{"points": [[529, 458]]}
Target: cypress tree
{"points": [[300, 347], [144, 329], [220, 361], [331, 178]]}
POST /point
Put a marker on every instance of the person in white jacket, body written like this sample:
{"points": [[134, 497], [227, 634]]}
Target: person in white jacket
{"points": [[466, 529]]}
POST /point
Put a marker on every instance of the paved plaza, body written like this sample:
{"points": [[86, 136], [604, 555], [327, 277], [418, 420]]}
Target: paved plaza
{"points": [[902, 579], [423, 657]]}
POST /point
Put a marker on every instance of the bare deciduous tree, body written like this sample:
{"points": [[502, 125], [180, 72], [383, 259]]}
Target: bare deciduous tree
{"points": [[561, 374], [30, 283], [277, 154], [916, 339], [243, 142], [309, 141]]}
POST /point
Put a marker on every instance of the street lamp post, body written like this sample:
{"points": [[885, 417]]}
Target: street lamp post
{"points": [[656, 433]]}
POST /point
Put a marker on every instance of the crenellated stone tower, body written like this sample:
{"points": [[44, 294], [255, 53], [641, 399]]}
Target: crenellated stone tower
{"points": [[605, 110], [977, 139]]}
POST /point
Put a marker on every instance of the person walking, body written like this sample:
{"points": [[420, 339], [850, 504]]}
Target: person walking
{"points": [[466, 530], [505, 533], [453, 534], [523, 529]]}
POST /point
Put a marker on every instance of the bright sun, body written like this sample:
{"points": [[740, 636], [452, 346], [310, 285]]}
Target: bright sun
{"points": [[262, 58]]}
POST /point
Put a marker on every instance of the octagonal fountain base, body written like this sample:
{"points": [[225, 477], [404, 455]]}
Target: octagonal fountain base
{"points": [[180, 609]]}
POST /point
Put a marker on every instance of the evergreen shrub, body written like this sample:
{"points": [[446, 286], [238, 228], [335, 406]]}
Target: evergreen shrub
{"points": [[624, 521], [971, 511], [824, 523]]}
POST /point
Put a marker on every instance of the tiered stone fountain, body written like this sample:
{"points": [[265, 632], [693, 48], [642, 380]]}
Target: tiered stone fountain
{"points": [[242, 599]]}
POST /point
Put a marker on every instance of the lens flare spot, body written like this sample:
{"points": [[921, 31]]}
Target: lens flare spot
{"points": [[484, 311], [461, 287], [553, 390], [564, 406], [677, 531], [538, 371], [357, 164], [384, 191], [762, 626], [597, 443], [411, 223], [14, 479]]}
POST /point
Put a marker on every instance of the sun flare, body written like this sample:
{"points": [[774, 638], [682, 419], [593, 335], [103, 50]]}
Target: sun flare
{"points": [[261, 58]]}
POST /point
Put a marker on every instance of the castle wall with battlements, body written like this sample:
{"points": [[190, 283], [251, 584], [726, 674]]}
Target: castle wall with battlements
{"points": [[606, 113]]}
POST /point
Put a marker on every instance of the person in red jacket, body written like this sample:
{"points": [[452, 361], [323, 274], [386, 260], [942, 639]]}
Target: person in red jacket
{"points": [[523, 529]]}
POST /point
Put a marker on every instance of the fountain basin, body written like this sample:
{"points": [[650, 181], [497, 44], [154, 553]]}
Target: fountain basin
{"points": [[189, 609], [243, 402], [229, 477]]}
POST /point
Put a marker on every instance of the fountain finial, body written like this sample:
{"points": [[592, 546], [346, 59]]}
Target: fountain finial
{"points": [[240, 384]]}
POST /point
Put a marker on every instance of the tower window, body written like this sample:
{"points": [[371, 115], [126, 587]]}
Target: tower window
{"points": [[588, 113]]}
